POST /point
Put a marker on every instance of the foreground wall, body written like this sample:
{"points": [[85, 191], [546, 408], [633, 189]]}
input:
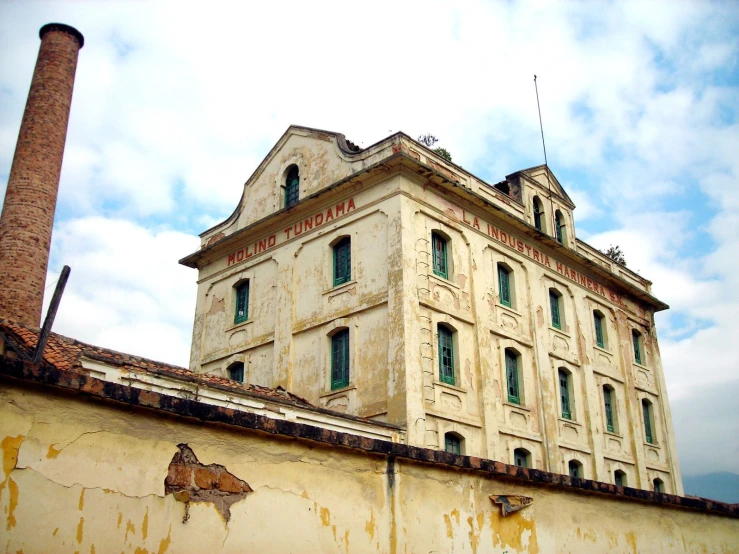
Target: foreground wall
{"points": [[86, 473]]}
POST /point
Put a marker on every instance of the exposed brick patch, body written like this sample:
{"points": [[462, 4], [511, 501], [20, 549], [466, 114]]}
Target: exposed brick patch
{"points": [[190, 481], [50, 376]]}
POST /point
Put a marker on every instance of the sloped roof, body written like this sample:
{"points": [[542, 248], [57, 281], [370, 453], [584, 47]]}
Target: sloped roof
{"points": [[66, 354]]}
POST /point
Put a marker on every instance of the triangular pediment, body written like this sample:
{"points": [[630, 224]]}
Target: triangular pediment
{"points": [[541, 177]]}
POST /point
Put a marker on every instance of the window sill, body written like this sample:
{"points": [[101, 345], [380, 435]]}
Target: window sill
{"points": [[613, 434], [337, 391], [239, 325], [652, 445], [558, 331], [442, 281], [518, 406], [569, 421], [442, 384], [601, 349], [340, 287], [509, 309], [641, 366]]}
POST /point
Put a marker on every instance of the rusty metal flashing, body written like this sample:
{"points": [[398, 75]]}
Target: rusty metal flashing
{"points": [[90, 387]]}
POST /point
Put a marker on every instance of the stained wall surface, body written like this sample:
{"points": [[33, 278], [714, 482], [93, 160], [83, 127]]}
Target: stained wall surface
{"points": [[389, 201], [88, 476]]}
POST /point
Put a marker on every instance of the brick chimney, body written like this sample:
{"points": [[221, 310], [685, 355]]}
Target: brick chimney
{"points": [[30, 199]]}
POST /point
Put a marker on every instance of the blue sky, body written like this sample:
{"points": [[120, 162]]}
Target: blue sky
{"points": [[176, 104]]}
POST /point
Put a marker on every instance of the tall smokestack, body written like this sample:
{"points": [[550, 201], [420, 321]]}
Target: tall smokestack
{"points": [[30, 199]]}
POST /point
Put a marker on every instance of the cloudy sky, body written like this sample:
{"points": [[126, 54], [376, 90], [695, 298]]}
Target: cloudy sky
{"points": [[175, 105]]}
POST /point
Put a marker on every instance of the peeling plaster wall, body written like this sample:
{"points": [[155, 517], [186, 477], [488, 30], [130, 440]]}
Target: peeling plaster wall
{"points": [[88, 476]]}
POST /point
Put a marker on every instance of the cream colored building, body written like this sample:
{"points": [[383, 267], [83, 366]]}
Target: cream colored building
{"points": [[390, 284]]}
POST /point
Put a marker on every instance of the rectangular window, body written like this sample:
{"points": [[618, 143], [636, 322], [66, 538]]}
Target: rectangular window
{"points": [[453, 444], [537, 217], [446, 356], [599, 340], [609, 409], [554, 306], [511, 365], [636, 339], [438, 247], [564, 394], [504, 283], [520, 458], [343, 261], [647, 422], [618, 479], [242, 303], [340, 359]]}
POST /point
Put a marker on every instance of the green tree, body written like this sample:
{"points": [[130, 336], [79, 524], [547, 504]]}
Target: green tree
{"points": [[430, 140], [616, 254]]}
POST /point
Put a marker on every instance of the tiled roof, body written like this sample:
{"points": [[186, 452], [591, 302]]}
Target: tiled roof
{"points": [[66, 354]]}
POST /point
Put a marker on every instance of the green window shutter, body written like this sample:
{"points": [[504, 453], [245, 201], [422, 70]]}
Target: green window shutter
{"points": [[453, 444], [554, 306], [511, 365], [635, 337], [537, 217], [647, 421], [560, 228], [242, 303], [504, 283], [438, 247], [340, 359], [520, 458], [564, 394], [236, 372], [599, 330], [446, 356], [343, 261], [292, 187], [609, 409]]}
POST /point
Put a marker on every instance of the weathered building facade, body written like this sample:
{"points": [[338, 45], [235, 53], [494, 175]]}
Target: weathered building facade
{"points": [[390, 284]]}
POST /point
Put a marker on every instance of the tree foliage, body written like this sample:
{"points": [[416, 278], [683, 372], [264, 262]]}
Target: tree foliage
{"points": [[430, 140], [616, 254]]}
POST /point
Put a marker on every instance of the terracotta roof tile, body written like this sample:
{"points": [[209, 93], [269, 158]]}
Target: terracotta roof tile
{"points": [[65, 353]]}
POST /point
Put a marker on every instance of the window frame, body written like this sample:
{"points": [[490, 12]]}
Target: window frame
{"points": [[619, 478], [513, 386], [445, 339], [342, 269], [453, 443], [637, 342], [236, 367], [340, 352], [242, 302], [524, 455], [658, 485], [556, 311], [292, 186], [440, 256], [505, 288], [565, 401], [538, 211], [600, 331], [609, 408], [559, 227], [577, 467], [648, 417]]}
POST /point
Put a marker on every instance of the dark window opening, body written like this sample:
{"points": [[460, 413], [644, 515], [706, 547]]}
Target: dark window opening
{"points": [[292, 186]]}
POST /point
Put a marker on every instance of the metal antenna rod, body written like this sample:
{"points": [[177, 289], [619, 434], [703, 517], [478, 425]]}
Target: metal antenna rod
{"points": [[541, 125], [50, 315]]}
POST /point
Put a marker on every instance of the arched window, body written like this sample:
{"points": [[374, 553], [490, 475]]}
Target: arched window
{"points": [[555, 308], [600, 330], [446, 355], [609, 405], [636, 339], [439, 253], [513, 376], [619, 478], [453, 443], [574, 468], [343, 261], [646, 407], [559, 222], [242, 302], [658, 485], [565, 384], [292, 186], [538, 214], [522, 457], [340, 359], [236, 371], [505, 286]]}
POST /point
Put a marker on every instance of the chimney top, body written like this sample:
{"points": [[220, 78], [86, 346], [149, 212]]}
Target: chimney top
{"points": [[64, 29]]}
